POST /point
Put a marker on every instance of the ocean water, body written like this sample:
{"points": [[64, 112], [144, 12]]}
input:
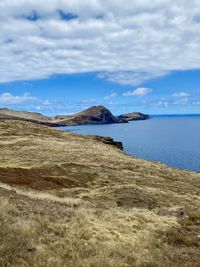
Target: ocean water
{"points": [[173, 140]]}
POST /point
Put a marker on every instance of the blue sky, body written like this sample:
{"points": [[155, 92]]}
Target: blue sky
{"points": [[70, 55], [178, 92]]}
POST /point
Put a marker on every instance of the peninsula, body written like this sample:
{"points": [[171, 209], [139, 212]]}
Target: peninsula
{"points": [[93, 115]]}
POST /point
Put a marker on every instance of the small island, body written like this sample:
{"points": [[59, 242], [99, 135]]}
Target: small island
{"points": [[134, 116]]}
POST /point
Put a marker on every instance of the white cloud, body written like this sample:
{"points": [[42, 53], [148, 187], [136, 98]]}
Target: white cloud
{"points": [[163, 103], [8, 98], [180, 94], [128, 42], [130, 77], [181, 98], [138, 92], [181, 101], [46, 102], [16, 100], [196, 103], [112, 95]]}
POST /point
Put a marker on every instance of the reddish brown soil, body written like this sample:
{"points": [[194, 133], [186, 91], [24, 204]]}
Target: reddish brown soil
{"points": [[32, 178]]}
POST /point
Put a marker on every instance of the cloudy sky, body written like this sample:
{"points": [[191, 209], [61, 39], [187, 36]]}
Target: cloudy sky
{"points": [[131, 55]]}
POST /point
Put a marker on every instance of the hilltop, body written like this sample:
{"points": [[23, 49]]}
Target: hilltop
{"points": [[92, 115], [78, 201]]}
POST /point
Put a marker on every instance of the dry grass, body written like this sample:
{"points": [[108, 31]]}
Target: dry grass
{"points": [[83, 237], [69, 200]]}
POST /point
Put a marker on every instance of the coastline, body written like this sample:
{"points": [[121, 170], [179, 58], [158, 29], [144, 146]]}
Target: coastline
{"points": [[62, 191], [153, 139]]}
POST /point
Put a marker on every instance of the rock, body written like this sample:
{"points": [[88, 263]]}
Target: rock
{"points": [[109, 141], [134, 116]]}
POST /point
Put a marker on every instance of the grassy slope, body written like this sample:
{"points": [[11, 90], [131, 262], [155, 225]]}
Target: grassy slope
{"points": [[75, 201]]}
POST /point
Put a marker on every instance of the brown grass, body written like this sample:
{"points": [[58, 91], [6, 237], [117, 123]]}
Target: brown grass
{"points": [[69, 200]]}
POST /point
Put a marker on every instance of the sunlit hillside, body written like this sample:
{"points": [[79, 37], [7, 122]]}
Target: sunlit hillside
{"points": [[74, 201]]}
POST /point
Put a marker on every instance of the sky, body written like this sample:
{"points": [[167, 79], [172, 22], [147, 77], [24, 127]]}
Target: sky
{"points": [[130, 55]]}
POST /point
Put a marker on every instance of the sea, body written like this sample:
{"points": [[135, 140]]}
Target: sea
{"points": [[172, 139]]}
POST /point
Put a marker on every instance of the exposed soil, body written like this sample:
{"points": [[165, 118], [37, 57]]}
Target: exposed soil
{"points": [[32, 178]]}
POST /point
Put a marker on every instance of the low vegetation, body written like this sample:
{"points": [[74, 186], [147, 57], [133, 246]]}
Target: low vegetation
{"points": [[71, 200]]}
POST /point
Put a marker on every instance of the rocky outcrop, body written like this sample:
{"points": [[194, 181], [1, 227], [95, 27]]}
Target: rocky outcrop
{"points": [[109, 141], [134, 116]]}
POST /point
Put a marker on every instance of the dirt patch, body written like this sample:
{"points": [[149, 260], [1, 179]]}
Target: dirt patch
{"points": [[33, 178]]}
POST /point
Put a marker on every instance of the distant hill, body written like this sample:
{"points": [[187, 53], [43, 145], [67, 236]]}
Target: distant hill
{"points": [[134, 116], [93, 115], [38, 118]]}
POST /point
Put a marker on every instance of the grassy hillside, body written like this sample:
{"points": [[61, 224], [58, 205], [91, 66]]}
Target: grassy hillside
{"points": [[10, 114], [70, 200]]}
